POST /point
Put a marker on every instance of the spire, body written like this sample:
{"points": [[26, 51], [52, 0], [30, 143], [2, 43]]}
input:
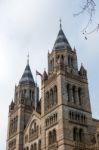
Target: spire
{"points": [[61, 40], [28, 59], [60, 23], [27, 76]]}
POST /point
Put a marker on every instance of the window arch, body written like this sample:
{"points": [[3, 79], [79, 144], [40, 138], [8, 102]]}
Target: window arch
{"points": [[69, 61], [39, 145], [32, 147], [30, 94], [47, 100], [50, 137], [55, 94], [73, 115], [33, 131], [35, 146], [33, 95], [80, 95], [72, 61], [74, 94], [53, 64], [75, 134], [51, 97], [68, 92], [54, 136], [81, 135], [27, 148], [70, 115]]}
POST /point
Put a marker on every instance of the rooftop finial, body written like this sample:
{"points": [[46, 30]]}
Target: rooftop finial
{"points": [[28, 59], [60, 23]]}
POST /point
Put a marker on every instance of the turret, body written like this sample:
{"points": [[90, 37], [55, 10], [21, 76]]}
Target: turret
{"points": [[83, 72], [20, 110]]}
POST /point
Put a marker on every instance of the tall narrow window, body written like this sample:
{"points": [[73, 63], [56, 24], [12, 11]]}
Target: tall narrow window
{"points": [[54, 136], [53, 64], [68, 92], [39, 145], [47, 101], [81, 135], [32, 147], [72, 65], [30, 94], [55, 95], [35, 146], [74, 94], [80, 95], [50, 137], [69, 61], [75, 134], [51, 97]]}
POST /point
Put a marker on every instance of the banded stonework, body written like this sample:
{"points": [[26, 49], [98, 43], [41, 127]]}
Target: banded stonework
{"points": [[62, 118]]}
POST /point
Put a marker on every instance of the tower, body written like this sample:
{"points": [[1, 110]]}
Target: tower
{"points": [[66, 110], [62, 118], [21, 109]]}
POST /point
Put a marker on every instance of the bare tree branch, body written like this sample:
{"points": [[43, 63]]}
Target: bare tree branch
{"points": [[88, 7]]}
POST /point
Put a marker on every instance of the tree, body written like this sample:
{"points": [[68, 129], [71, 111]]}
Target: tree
{"points": [[88, 7]]}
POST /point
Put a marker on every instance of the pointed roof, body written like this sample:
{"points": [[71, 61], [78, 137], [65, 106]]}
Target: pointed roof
{"points": [[61, 41], [27, 76]]}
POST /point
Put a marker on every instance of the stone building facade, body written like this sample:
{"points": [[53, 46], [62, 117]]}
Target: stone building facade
{"points": [[62, 118]]}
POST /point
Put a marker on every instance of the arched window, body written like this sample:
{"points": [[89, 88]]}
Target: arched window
{"points": [[30, 94], [68, 92], [50, 137], [32, 147], [33, 95], [55, 94], [78, 117], [47, 101], [81, 135], [39, 145], [27, 148], [62, 59], [70, 115], [34, 126], [82, 118], [72, 65], [35, 146], [51, 97], [75, 134], [80, 95], [69, 61], [33, 131], [74, 94], [54, 136], [53, 64]]}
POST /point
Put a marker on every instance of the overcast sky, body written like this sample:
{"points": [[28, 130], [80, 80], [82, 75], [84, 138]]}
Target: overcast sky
{"points": [[32, 26]]}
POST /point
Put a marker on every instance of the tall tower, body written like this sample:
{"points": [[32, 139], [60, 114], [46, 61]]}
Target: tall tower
{"points": [[66, 111], [21, 109]]}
